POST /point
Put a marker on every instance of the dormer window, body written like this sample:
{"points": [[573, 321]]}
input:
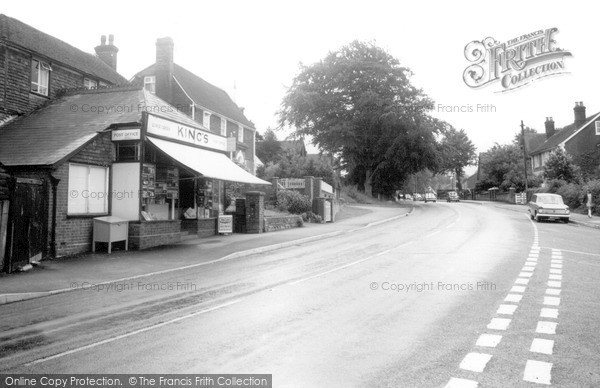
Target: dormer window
{"points": [[40, 76], [89, 83], [150, 83]]}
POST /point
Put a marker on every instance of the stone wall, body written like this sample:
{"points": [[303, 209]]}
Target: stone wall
{"points": [[282, 222]]}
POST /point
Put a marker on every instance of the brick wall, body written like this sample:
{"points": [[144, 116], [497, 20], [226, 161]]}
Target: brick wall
{"points": [[584, 142], [207, 227], [15, 81], [282, 222], [144, 235]]}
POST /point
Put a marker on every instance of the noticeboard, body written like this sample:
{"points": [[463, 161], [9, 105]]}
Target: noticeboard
{"points": [[225, 224]]}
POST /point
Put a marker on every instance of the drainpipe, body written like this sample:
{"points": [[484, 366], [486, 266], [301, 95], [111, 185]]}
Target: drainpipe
{"points": [[54, 181]]}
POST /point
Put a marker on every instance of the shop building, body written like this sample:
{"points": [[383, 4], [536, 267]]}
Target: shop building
{"points": [[119, 152], [206, 104]]}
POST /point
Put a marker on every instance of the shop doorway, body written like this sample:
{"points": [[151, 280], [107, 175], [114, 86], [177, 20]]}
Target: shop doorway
{"points": [[28, 223]]}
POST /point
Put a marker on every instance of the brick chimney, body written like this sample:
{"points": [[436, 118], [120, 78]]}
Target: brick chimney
{"points": [[107, 52], [164, 69], [579, 111], [550, 130]]}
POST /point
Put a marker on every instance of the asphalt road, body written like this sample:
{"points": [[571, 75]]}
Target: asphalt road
{"points": [[401, 304]]}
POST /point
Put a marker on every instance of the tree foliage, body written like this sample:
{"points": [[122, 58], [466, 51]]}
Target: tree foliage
{"points": [[458, 151], [269, 149], [560, 166], [358, 102], [502, 167]]}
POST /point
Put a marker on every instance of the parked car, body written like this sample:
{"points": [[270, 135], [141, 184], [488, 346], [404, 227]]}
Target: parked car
{"points": [[430, 197], [417, 197], [452, 197], [548, 206], [408, 197]]}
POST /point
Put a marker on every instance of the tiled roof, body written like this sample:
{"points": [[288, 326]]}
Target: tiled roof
{"points": [[57, 130], [533, 141], [55, 49], [561, 136], [205, 94]]}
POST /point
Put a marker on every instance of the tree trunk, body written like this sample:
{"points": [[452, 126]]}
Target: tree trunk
{"points": [[458, 180], [368, 183]]}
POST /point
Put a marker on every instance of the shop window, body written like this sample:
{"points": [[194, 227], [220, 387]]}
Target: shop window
{"points": [[88, 190], [40, 76], [223, 127], [89, 83], [150, 84], [128, 152]]}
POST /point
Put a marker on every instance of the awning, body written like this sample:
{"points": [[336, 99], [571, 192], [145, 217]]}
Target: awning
{"points": [[207, 163]]}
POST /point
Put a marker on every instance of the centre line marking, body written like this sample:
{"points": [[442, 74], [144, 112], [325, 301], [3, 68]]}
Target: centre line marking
{"points": [[522, 281], [518, 289], [551, 301]]}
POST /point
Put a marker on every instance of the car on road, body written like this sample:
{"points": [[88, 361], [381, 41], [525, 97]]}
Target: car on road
{"points": [[408, 197], [417, 197], [430, 197], [546, 206], [452, 196]]}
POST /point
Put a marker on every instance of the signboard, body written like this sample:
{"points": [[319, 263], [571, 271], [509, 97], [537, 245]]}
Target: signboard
{"points": [[225, 224], [172, 130], [126, 134]]}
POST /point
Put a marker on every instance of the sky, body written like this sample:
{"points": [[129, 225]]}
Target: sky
{"points": [[253, 49]]}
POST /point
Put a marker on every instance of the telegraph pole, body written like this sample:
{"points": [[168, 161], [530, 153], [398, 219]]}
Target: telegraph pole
{"points": [[524, 155]]}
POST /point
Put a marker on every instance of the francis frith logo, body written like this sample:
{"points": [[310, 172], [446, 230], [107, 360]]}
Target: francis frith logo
{"points": [[515, 63]]}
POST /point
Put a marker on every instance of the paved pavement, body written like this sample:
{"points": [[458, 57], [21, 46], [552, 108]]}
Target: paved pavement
{"points": [[576, 218], [67, 274]]}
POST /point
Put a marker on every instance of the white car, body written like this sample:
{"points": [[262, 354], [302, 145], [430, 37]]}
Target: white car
{"points": [[548, 206]]}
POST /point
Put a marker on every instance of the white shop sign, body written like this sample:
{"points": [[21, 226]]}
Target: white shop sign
{"points": [[126, 134], [172, 130], [225, 224]]}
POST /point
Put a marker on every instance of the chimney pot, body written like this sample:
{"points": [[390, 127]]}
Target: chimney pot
{"points": [[550, 130], [107, 53], [579, 112]]}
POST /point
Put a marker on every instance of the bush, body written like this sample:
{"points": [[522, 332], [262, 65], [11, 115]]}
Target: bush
{"points": [[293, 202], [572, 194], [353, 193]]}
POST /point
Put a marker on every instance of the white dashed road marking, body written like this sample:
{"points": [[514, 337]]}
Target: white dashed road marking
{"points": [[540, 345], [499, 324], [551, 301], [475, 362], [549, 313], [516, 298], [461, 383], [537, 372], [545, 327], [489, 340], [508, 309]]}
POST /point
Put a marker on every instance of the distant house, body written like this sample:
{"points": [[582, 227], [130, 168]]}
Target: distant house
{"points": [[35, 66], [295, 146], [578, 139], [205, 103]]}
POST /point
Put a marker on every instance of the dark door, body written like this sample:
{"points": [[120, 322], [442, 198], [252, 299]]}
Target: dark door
{"points": [[28, 223]]}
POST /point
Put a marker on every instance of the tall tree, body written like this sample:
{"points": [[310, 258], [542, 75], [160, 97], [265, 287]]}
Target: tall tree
{"points": [[269, 149], [458, 151], [359, 103]]}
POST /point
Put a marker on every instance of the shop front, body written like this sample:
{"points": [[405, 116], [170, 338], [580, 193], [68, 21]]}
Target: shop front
{"points": [[170, 178]]}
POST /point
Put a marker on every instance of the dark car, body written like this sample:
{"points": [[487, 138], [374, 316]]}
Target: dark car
{"points": [[452, 197]]}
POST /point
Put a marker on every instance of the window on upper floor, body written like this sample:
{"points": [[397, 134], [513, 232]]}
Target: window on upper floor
{"points": [[150, 83], [223, 127], [90, 83], [240, 134], [40, 76], [206, 120]]}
